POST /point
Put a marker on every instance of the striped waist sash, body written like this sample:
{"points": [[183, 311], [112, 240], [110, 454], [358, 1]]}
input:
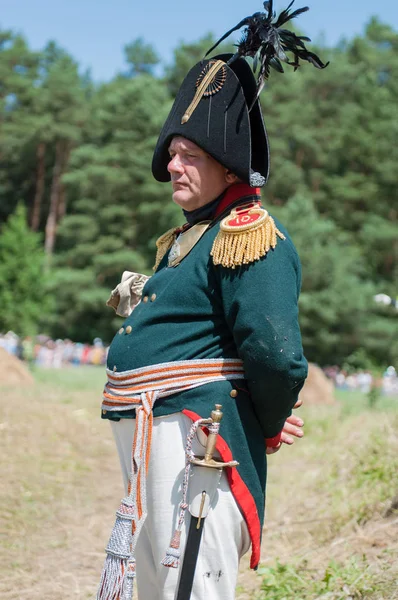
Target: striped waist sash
{"points": [[139, 389]]}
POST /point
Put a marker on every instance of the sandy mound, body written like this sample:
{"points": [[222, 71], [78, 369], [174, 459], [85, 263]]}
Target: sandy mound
{"points": [[12, 370], [318, 389]]}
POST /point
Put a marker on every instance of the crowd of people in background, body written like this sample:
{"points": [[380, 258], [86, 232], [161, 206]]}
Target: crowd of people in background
{"points": [[42, 351], [360, 380], [364, 381]]}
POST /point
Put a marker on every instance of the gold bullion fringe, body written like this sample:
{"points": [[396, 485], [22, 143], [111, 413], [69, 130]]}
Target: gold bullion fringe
{"points": [[232, 249], [164, 243]]}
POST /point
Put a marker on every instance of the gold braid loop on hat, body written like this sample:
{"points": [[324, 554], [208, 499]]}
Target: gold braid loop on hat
{"points": [[245, 235], [210, 84]]}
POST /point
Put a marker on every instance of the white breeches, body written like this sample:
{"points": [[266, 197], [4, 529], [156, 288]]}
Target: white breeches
{"points": [[225, 536]]}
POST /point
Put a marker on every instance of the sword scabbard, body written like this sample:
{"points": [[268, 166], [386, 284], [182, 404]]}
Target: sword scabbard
{"points": [[206, 484]]}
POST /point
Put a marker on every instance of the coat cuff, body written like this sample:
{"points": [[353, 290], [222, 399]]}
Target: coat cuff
{"points": [[274, 441]]}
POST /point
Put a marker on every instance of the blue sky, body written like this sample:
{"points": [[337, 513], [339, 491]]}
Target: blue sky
{"points": [[95, 31]]}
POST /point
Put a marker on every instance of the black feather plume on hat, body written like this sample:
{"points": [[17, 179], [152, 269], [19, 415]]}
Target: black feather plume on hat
{"points": [[268, 43]]}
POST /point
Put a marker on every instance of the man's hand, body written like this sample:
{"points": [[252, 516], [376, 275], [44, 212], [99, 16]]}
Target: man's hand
{"points": [[292, 427]]}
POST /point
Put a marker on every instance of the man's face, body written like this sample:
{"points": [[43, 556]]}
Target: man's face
{"points": [[196, 177]]}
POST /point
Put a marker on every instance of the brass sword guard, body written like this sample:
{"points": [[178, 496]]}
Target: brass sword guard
{"points": [[207, 460]]}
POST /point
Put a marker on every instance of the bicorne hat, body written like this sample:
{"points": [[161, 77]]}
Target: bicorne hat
{"points": [[217, 106]]}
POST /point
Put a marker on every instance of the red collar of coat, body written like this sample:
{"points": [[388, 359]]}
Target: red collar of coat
{"points": [[234, 193]]}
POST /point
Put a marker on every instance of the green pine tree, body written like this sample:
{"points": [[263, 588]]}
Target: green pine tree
{"points": [[80, 156], [24, 297]]}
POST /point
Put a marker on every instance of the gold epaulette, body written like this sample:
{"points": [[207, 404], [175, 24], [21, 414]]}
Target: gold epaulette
{"points": [[164, 243], [245, 235]]}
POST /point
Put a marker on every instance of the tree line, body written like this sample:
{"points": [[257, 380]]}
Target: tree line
{"points": [[79, 205]]}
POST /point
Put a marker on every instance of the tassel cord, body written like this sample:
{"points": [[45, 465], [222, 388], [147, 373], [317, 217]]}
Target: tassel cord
{"points": [[119, 570], [172, 558]]}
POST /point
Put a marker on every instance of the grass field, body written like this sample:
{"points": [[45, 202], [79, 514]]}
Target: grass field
{"points": [[331, 528]]}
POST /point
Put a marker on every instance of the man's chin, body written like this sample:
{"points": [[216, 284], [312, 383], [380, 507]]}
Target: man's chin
{"points": [[182, 197]]}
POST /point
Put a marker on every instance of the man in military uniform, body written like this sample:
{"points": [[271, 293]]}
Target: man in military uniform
{"points": [[217, 323]]}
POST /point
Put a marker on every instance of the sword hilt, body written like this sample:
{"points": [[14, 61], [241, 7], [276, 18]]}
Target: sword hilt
{"points": [[208, 460]]}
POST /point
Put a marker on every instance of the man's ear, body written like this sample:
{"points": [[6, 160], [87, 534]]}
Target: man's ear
{"points": [[230, 177]]}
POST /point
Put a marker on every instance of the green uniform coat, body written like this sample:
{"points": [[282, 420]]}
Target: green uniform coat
{"points": [[197, 310]]}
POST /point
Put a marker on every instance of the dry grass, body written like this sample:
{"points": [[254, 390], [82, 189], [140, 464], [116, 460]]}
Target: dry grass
{"points": [[61, 485], [328, 501]]}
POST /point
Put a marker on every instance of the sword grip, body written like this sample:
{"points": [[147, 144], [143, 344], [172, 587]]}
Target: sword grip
{"points": [[216, 416]]}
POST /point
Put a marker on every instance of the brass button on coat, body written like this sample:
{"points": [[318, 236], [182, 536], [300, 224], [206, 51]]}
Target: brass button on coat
{"points": [[104, 412], [153, 297], [121, 330], [145, 299], [233, 393], [129, 329]]}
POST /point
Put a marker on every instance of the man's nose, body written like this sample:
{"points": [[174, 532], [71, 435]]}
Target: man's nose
{"points": [[175, 165]]}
